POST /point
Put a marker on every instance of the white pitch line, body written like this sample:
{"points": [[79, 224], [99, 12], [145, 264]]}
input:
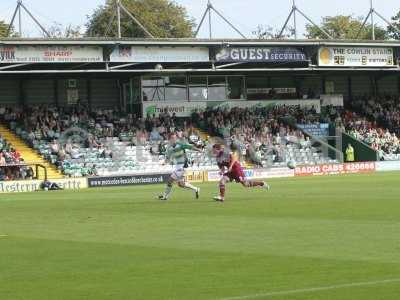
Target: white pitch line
{"points": [[314, 289], [3, 235]]}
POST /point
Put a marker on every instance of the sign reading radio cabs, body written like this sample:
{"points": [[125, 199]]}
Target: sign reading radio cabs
{"points": [[355, 57], [335, 169]]}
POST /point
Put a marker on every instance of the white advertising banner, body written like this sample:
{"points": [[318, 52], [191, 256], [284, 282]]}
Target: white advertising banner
{"points": [[50, 54], [255, 174], [316, 103], [213, 176], [35, 185], [160, 54], [273, 173], [355, 57], [334, 99], [383, 166], [180, 109], [185, 108]]}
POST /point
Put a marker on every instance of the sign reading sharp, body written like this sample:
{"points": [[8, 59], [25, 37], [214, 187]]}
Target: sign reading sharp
{"points": [[260, 54], [50, 54]]}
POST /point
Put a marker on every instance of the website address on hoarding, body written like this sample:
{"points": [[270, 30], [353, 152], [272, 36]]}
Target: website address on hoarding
{"points": [[132, 180]]}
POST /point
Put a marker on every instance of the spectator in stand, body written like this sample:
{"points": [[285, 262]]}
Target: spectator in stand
{"points": [[2, 159], [155, 135], [349, 153], [55, 147], [259, 131], [364, 124]]}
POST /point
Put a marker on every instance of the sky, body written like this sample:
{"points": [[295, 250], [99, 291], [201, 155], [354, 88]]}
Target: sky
{"points": [[246, 15]]}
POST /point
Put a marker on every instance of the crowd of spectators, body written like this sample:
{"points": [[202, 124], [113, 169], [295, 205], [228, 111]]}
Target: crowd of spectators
{"points": [[259, 131], [376, 122], [385, 142], [60, 134], [12, 166], [383, 110]]}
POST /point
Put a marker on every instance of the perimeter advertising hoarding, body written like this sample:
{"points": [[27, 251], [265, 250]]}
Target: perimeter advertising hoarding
{"points": [[160, 54], [185, 109], [194, 176], [50, 54], [383, 166], [355, 57], [255, 174], [335, 169], [260, 54], [127, 180], [273, 173], [216, 175], [21, 186]]}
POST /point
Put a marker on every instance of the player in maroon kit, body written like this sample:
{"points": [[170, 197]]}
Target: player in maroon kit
{"points": [[231, 170]]}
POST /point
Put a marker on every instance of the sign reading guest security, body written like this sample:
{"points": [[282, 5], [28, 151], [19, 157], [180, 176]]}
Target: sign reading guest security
{"points": [[355, 57], [260, 54]]}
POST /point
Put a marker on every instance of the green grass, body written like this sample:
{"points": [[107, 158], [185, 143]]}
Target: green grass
{"points": [[121, 243]]}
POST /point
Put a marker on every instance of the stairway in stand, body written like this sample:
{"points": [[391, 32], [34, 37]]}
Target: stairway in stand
{"points": [[29, 154], [204, 136]]}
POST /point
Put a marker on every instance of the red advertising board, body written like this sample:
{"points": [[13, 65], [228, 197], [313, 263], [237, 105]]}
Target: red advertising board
{"points": [[335, 169]]}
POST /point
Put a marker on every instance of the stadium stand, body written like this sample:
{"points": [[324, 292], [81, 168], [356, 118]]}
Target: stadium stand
{"points": [[12, 165], [264, 136], [376, 122], [106, 142]]}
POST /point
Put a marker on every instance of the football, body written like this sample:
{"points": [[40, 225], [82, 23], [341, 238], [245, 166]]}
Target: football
{"points": [[291, 164]]}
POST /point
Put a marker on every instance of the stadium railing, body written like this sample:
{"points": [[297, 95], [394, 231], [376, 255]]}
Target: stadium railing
{"points": [[362, 151], [36, 167], [330, 146]]}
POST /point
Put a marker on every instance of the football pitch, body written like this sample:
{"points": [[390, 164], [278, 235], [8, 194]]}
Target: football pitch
{"points": [[314, 238]]}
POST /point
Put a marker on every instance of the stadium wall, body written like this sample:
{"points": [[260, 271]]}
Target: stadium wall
{"points": [[203, 176], [389, 85], [362, 151], [9, 92], [35, 185], [104, 92]]}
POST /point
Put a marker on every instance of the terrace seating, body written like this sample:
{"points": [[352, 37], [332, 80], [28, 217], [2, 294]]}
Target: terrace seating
{"points": [[127, 147], [126, 160]]}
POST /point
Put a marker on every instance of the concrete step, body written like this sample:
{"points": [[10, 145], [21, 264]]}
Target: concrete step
{"points": [[29, 154]]}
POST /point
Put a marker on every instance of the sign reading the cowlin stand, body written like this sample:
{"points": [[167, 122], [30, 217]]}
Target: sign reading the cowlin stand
{"points": [[260, 54], [50, 54], [355, 57]]}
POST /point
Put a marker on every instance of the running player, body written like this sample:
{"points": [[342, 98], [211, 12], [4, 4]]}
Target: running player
{"points": [[176, 153], [231, 170]]}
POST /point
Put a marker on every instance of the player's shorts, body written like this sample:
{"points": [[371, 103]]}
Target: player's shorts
{"points": [[237, 174], [178, 174]]}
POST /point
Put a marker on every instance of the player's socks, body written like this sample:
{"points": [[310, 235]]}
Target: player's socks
{"points": [[255, 183], [168, 191], [190, 186], [266, 186], [219, 198], [222, 191]]}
